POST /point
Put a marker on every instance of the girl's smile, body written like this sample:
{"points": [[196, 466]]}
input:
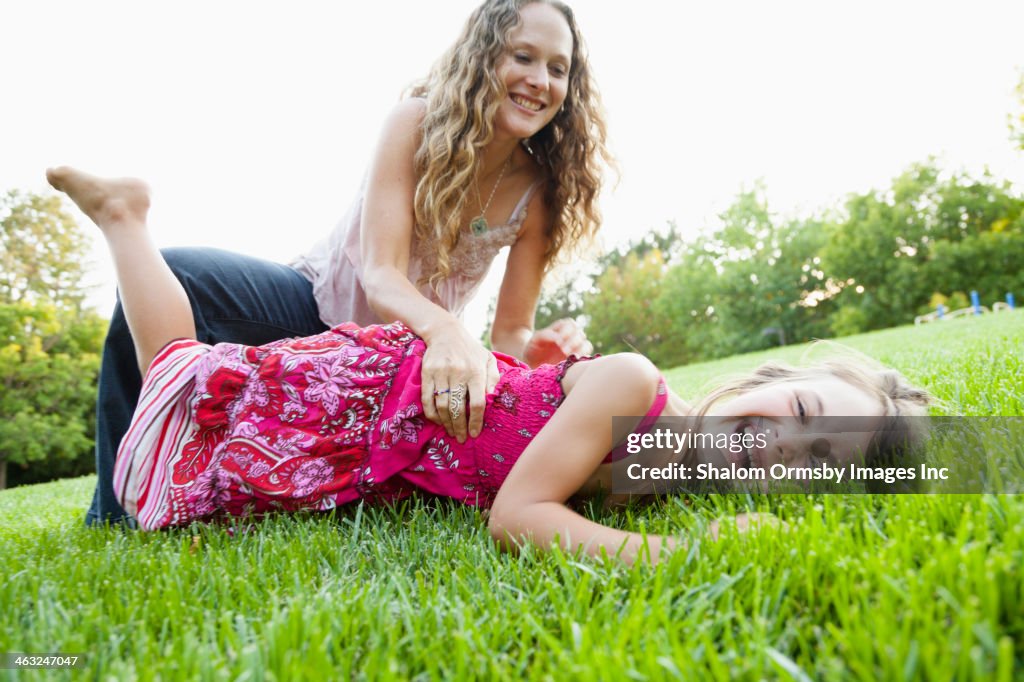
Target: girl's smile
{"points": [[793, 423]]}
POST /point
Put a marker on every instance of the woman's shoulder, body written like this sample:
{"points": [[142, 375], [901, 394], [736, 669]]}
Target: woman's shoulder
{"points": [[416, 106], [407, 115], [399, 137]]}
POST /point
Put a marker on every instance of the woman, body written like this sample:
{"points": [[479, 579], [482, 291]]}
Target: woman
{"points": [[500, 146]]}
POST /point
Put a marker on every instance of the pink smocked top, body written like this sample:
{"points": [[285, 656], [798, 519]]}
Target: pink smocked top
{"points": [[335, 266], [411, 454]]}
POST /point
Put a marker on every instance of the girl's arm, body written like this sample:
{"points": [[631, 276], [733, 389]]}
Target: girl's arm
{"points": [[453, 356], [530, 505], [512, 332]]}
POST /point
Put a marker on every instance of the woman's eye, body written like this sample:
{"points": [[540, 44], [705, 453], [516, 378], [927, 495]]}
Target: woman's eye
{"points": [[801, 410], [522, 58], [559, 71]]}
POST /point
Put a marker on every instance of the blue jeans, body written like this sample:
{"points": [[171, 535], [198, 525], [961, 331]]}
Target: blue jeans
{"points": [[234, 298]]}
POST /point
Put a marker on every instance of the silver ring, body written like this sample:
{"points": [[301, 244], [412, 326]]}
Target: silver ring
{"points": [[455, 400]]}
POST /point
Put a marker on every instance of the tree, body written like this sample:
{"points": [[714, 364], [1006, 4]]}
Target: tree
{"points": [[927, 234], [49, 344], [564, 300], [48, 368], [570, 296], [620, 307], [889, 254], [877, 253], [988, 263], [770, 277], [1017, 120], [980, 243], [42, 251], [686, 302]]}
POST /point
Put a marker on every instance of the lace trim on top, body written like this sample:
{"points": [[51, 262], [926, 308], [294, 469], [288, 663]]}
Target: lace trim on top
{"points": [[473, 254]]}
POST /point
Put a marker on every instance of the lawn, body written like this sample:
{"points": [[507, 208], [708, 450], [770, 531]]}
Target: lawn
{"points": [[860, 587]]}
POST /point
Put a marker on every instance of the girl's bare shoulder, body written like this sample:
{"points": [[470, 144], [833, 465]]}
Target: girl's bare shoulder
{"points": [[631, 376]]}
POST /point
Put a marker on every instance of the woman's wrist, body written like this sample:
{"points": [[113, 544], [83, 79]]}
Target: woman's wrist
{"points": [[443, 326], [512, 342], [393, 297]]}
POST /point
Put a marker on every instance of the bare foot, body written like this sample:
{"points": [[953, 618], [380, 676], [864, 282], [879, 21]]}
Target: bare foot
{"points": [[108, 202]]}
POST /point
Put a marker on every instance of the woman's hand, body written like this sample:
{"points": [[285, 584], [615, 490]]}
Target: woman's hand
{"points": [[555, 343], [457, 373]]}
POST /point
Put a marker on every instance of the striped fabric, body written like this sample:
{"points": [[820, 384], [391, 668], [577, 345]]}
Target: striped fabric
{"points": [[159, 431]]}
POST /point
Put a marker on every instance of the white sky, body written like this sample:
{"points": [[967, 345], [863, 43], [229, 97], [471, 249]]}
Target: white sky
{"points": [[254, 121]]}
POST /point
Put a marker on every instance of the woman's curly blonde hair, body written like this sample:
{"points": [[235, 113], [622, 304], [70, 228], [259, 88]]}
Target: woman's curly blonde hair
{"points": [[463, 94]]}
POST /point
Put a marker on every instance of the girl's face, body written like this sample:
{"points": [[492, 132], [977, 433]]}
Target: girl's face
{"points": [[535, 71], [817, 422]]}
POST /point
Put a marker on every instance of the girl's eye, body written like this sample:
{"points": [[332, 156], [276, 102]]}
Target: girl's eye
{"points": [[522, 58], [559, 71], [803, 412]]}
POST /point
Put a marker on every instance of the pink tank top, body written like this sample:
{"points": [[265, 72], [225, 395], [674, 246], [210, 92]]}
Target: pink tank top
{"points": [[335, 267], [472, 472], [645, 425]]}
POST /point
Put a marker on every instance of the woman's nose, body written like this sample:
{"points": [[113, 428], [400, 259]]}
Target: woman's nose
{"points": [[537, 77]]}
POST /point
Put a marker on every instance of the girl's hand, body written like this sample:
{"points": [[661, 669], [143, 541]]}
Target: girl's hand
{"points": [[457, 374], [553, 344], [747, 521]]}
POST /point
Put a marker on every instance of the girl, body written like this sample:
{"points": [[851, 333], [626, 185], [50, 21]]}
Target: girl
{"points": [[499, 146], [315, 422]]}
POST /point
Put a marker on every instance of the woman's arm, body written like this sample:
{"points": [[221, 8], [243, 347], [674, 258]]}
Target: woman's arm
{"points": [[512, 331], [453, 356], [520, 287], [387, 225], [531, 503]]}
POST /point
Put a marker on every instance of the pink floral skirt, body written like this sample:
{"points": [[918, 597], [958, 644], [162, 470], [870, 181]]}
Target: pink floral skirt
{"points": [[231, 429]]}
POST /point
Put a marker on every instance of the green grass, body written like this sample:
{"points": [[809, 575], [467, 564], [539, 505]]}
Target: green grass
{"points": [[860, 587]]}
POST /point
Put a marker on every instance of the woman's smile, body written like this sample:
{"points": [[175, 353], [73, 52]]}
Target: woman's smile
{"points": [[527, 103]]}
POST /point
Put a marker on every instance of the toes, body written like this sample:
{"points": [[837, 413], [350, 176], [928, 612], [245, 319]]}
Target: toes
{"points": [[103, 200], [54, 176], [61, 177]]}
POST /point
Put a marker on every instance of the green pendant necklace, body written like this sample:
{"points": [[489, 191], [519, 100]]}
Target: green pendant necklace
{"points": [[479, 224]]}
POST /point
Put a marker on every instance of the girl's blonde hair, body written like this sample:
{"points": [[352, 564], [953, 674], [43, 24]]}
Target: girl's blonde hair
{"points": [[463, 94]]}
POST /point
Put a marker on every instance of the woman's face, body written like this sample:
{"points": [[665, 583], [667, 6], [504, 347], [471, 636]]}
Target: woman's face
{"points": [[535, 71], [814, 423]]}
